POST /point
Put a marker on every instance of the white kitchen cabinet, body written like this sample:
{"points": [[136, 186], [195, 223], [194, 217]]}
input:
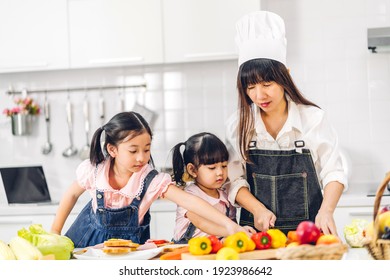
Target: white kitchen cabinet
{"points": [[162, 225], [33, 35], [9, 225], [114, 32], [201, 30]]}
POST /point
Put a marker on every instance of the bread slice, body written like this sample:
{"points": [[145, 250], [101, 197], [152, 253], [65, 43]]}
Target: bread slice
{"points": [[117, 250], [117, 246], [117, 242]]}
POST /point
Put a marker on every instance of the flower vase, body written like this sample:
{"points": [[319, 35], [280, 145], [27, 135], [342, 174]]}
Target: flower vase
{"points": [[21, 124]]}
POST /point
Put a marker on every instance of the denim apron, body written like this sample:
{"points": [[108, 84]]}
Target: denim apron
{"points": [[91, 228], [286, 183], [188, 234]]}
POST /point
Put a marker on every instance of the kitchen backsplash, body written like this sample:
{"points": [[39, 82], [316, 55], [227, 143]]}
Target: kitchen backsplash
{"points": [[327, 56]]}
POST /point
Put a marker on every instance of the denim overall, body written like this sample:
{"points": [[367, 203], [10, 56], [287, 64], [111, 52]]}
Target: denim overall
{"points": [[92, 228], [188, 234], [286, 183]]}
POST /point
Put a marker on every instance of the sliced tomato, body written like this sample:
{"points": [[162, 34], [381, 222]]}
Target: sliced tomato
{"points": [[159, 241]]}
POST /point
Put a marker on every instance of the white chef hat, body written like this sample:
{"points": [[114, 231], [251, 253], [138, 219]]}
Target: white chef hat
{"points": [[261, 34]]}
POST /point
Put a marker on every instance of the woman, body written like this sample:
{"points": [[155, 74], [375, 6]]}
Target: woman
{"points": [[282, 147]]}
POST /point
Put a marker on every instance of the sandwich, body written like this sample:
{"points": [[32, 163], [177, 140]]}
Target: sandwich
{"points": [[117, 246]]}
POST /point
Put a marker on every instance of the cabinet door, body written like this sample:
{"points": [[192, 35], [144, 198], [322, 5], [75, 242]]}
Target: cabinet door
{"points": [[114, 32], [10, 225], [199, 30], [33, 35], [162, 225]]}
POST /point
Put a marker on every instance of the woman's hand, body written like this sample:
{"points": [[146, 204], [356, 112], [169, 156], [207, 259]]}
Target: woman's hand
{"points": [[325, 222], [324, 219], [263, 219]]}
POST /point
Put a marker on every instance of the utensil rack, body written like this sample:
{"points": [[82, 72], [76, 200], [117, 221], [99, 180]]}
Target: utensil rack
{"points": [[76, 89]]}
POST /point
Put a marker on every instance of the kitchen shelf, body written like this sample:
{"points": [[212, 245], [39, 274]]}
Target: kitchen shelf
{"points": [[76, 89]]}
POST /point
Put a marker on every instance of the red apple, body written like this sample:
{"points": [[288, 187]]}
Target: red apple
{"points": [[307, 232], [384, 209]]}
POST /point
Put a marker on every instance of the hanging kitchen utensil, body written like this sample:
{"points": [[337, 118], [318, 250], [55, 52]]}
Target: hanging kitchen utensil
{"points": [[101, 109], [48, 146], [85, 150], [149, 115], [71, 150], [121, 101]]}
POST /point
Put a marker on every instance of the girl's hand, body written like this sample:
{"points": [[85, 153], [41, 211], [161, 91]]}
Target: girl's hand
{"points": [[249, 229], [264, 219]]}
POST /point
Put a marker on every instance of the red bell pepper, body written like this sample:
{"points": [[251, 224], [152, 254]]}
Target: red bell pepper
{"points": [[262, 240], [216, 244]]}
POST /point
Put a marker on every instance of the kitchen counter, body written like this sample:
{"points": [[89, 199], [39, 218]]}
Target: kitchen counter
{"points": [[357, 200], [159, 205], [15, 217]]}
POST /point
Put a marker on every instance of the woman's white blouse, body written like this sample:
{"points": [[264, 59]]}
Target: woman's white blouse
{"points": [[307, 123]]}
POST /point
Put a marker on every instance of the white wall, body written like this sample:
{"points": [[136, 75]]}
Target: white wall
{"points": [[188, 98], [328, 58]]}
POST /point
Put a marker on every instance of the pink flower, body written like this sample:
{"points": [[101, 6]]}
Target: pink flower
{"points": [[24, 106]]}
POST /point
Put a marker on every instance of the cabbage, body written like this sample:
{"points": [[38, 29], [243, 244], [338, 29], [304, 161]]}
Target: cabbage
{"points": [[353, 233], [48, 243]]}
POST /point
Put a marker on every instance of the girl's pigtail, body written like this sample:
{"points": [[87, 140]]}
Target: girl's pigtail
{"points": [[98, 151], [178, 164]]}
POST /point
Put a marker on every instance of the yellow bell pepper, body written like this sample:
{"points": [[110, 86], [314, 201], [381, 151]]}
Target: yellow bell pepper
{"points": [[250, 244], [236, 241], [279, 239], [200, 245], [227, 253]]}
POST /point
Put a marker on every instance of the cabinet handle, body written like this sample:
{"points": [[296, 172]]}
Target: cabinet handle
{"points": [[208, 55], [116, 60], [368, 213], [40, 64], [16, 222]]}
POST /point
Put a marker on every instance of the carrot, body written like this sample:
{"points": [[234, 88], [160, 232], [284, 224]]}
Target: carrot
{"points": [[175, 254]]}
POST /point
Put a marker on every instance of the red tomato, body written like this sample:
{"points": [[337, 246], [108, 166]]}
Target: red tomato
{"points": [[159, 241]]}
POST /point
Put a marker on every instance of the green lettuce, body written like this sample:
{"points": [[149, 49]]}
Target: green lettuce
{"points": [[48, 243]]}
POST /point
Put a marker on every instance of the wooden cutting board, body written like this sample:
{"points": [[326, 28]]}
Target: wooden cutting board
{"points": [[268, 254]]}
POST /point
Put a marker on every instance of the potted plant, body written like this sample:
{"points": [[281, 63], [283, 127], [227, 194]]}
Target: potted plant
{"points": [[21, 115]]}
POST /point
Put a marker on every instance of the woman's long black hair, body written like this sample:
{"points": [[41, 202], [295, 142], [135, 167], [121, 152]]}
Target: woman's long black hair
{"points": [[257, 71]]}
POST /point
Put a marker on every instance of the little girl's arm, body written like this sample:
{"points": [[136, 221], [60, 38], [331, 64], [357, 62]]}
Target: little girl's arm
{"points": [[201, 208], [207, 225], [66, 205]]}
